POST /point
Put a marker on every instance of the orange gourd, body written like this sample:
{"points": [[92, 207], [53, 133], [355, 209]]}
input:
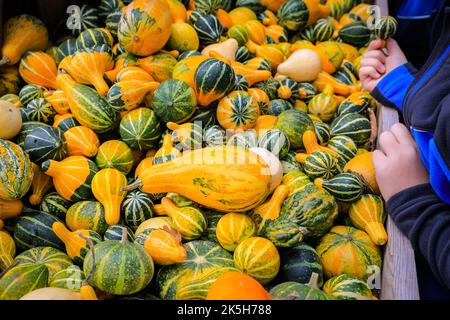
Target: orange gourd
{"points": [[90, 65], [41, 184], [261, 98], [362, 165], [167, 150], [178, 10], [123, 61], [7, 249], [164, 246], [107, 187], [133, 73], [252, 76], [275, 32], [325, 79], [10, 208], [160, 66], [237, 286], [224, 18], [312, 145], [37, 67], [241, 15], [185, 69], [256, 31], [21, 34], [143, 165], [81, 141], [58, 101], [129, 94], [269, 18], [331, 55], [264, 123]]}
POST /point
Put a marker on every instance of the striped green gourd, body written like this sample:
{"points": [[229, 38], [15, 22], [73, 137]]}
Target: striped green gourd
{"points": [[355, 103], [294, 123], [213, 80], [385, 27], [136, 208], [323, 132], [87, 19], [188, 136], [38, 110], [13, 98], [21, 279], [291, 290], [112, 22], [206, 117], [288, 89], [289, 163], [212, 218], [307, 213], [240, 33], [240, 83], [16, 172], [214, 136], [121, 267], [293, 15], [307, 34], [352, 125], [275, 141], [89, 108], [246, 139], [70, 278], [188, 53], [211, 6], [56, 205], [88, 215], [192, 278], [323, 30], [346, 287], [174, 101], [306, 91], [343, 145], [269, 86], [208, 28], [35, 230], [65, 48], [29, 93], [337, 9], [356, 33], [260, 64], [46, 143], [115, 154], [298, 264], [107, 7], [277, 106], [320, 164], [92, 37], [52, 258], [242, 54], [140, 129], [345, 75], [345, 187], [114, 232]]}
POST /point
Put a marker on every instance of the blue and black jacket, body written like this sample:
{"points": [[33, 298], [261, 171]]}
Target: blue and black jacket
{"points": [[422, 212]]}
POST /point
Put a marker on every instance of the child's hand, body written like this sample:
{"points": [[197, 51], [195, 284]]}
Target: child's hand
{"points": [[398, 165], [375, 64]]}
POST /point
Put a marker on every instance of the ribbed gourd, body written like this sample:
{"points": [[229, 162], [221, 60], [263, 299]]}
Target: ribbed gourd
{"points": [[40, 186], [93, 37], [140, 129], [55, 204], [385, 27], [356, 33], [368, 214], [20, 280], [187, 136], [114, 232], [88, 215], [7, 250], [319, 164], [352, 125], [167, 152], [88, 18], [72, 176], [136, 208], [38, 109], [345, 187], [38, 68], [346, 287], [323, 105], [292, 290], [106, 187], [323, 30], [257, 257], [16, 174], [237, 111], [30, 92], [233, 228], [127, 95], [208, 28], [76, 246], [81, 141], [58, 101], [22, 33], [65, 121], [88, 107], [275, 141], [189, 221], [164, 246], [344, 146], [115, 154]]}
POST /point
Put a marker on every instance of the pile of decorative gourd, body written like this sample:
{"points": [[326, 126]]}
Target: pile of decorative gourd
{"points": [[119, 176]]}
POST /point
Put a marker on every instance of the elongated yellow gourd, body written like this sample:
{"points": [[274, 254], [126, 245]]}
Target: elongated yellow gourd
{"points": [[164, 246], [7, 250], [188, 221], [106, 187], [225, 178], [10, 208], [40, 185]]}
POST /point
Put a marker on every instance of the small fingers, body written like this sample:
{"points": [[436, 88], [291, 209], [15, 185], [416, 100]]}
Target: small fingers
{"points": [[375, 54], [369, 72], [402, 135], [388, 143], [375, 45], [378, 160], [372, 62]]}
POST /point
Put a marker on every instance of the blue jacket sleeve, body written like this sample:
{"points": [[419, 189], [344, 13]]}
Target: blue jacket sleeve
{"points": [[391, 90], [425, 219]]}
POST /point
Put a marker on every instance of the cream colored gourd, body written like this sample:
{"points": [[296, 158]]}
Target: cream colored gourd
{"points": [[52, 294], [302, 65], [226, 49], [10, 120]]}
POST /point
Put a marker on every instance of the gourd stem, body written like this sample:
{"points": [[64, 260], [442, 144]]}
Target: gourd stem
{"points": [[134, 185], [91, 245], [313, 280]]}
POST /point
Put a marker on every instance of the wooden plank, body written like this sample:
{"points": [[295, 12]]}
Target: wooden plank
{"points": [[399, 275]]}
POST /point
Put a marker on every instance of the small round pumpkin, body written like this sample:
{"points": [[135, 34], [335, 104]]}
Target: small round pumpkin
{"points": [[115, 154], [257, 257], [237, 111], [232, 228], [10, 119]]}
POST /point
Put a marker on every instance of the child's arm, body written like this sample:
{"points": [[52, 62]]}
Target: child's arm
{"points": [[386, 77], [411, 202]]}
